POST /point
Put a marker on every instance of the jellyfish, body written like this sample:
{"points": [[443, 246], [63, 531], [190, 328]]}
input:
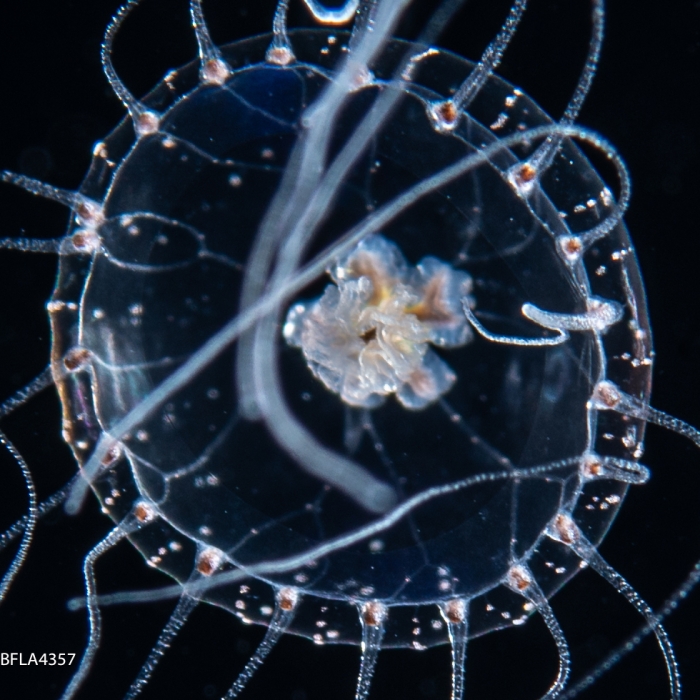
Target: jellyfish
{"points": [[121, 352]]}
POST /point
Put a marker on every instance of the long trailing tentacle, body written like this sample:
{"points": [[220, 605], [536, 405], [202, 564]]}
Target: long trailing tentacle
{"points": [[564, 530], [142, 514], [19, 398], [32, 245], [286, 602], [25, 525], [373, 615], [608, 397], [69, 198], [184, 607], [43, 508], [87, 211], [145, 120], [632, 642], [455, 612], [30, 522], [544, 155], [521, 581], [446, 113]]}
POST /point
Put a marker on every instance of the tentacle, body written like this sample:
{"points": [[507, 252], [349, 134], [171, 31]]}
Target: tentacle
{"points": [[588, 238], [286, 602], [564, 530], [608, 397], [600, 314], [212, 66], [373, 616], [182, 611], [142, 514], [88, 215], [32, 245], [17, 528], [623, 470], [20, 397], [280, 51], [456, 614], [630, 644], [88, 211], [520, 580], [145, 120], [543, 157], [446, 113], [30, 522], [561, 337]]}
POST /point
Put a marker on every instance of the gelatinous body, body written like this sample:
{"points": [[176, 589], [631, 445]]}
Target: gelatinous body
{"points": [[116, 330]]}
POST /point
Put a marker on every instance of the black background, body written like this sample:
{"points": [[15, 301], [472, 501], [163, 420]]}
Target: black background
{"points": [[56, 104]]}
